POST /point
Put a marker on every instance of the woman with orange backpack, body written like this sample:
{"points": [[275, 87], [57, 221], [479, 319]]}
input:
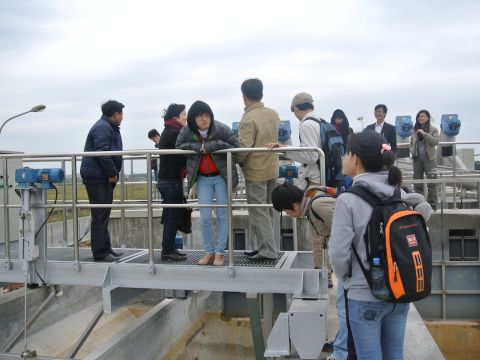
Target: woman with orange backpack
{"points": [[377, 326]]}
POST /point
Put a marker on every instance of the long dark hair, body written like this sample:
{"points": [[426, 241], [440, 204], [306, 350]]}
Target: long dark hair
{"points": [[426, 126], [369, 146], [339, 114]]}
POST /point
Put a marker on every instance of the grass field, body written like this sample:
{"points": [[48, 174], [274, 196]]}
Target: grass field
{"points": [[132, 192]]}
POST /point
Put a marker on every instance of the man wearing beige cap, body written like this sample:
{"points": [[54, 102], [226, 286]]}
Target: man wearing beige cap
{"points": [[258, 127], [302, 107]]}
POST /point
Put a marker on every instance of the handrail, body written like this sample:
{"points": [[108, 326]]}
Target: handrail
{"points": [[147, 154]]}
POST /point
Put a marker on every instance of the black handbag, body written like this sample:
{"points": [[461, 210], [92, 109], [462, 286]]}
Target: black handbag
{"points": [[185, 222]]}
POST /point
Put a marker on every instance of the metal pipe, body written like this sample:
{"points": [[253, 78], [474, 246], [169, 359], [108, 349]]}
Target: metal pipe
{"points": [[76, 251], [64, 210], [454, 163], [151, 257], [6, 217], [231, 268], [122, 210], [76, 348], [35, 316]]}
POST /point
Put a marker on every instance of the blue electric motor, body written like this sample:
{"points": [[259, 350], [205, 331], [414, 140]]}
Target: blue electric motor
{"points": [[289, 172], [404, 126], [284, 131], [27, 177]]}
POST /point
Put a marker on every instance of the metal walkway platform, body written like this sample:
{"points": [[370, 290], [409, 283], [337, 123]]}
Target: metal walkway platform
{"points": [[292, 272]]}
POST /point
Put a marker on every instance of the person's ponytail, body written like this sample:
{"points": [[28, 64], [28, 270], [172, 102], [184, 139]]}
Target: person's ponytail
{"points": [[388, 159]]}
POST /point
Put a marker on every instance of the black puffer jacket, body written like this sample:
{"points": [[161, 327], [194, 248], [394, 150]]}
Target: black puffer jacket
{"points": [[103, 136], [220, 136]]}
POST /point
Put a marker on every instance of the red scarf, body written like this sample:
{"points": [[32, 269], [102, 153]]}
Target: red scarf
{"points": [[173, 123], [339, 128]]}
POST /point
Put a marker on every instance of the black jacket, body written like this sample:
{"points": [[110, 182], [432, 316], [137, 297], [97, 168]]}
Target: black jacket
{"points": [[170, 165], [389, 132], [220, 136], [103, 136]]}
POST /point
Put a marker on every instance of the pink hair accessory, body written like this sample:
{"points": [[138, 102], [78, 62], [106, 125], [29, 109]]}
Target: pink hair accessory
{"points": [[385, 147]]}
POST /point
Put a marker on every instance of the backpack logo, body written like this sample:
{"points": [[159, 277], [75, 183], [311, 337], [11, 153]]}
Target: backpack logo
{"points": [[412, 240], [334, 150]]}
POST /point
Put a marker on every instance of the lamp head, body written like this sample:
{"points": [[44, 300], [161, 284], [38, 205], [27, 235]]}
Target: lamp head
{"points": [[38, 108]]}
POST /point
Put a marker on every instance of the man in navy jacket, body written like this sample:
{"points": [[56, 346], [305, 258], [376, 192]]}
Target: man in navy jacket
{"points": [[384, 128], [100, 175]]}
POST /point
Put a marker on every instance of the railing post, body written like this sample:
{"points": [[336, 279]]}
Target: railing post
{"points": [[454, 163], [478, 194], [231, 269], [6, 217], [76, 251], [122, 210], [64, 210], [151, 253]]}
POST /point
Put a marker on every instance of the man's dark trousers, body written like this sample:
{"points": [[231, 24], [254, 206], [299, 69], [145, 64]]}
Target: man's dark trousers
{"points": [[100, 237]]}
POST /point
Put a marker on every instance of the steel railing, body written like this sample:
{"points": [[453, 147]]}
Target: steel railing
{"points": [[75, 204]]}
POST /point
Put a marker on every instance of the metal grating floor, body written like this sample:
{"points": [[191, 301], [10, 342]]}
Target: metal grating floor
{"points": [[140, 256], [66, 254], [194, 255]]}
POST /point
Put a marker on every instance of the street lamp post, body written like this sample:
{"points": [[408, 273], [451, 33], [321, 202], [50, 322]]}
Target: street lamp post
{"points": [[36, 108]]}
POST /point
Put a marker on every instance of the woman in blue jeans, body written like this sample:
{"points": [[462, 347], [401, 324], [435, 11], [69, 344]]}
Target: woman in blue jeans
{"points": [[204, 135], [378, 327], [170, 180]]}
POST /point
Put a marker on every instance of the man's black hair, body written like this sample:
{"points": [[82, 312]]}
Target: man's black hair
{"points": [[152, 133], [253, 89], [304, 106], [111, 107], [285, 195], [381, 106]]}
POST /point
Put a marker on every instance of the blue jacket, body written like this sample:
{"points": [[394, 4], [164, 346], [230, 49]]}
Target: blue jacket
{"points": [[103, 136]]}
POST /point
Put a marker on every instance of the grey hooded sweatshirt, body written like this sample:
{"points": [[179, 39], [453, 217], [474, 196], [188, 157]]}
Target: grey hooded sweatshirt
{"points": [[350, 221]]}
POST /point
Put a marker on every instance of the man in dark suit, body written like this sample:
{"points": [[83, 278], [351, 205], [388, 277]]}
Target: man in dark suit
{"points": [[383, 127]]}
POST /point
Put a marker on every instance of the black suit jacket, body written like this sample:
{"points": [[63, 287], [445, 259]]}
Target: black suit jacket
{"points": [[389, 132]]}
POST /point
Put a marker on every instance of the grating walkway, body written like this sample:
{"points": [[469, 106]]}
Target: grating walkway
{"points": [[193, 256], [140, 256]]}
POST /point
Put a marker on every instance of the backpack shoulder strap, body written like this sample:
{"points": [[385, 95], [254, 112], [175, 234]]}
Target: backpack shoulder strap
{"points": [[315, 119], [365, 194], [313, 211]]}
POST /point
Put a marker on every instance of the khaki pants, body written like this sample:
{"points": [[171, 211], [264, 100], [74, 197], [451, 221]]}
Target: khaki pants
{"points": [[260, 192], [320, 229], [423, 166]]}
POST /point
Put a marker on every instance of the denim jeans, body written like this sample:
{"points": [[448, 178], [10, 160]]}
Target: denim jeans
{"points": [[378, 329], [172, 193], [340, 350], [207, 188]]}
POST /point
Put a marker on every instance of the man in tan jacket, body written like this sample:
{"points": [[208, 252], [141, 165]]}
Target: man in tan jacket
{"points": [[258, 127]]}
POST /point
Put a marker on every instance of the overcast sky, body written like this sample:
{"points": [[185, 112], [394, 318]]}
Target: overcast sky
{"points": [[74, 55]]}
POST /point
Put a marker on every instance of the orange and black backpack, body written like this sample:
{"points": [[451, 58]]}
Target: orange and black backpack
{"points": [[398, 243]]}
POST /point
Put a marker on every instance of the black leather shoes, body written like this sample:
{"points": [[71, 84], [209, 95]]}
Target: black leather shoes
{"points": [[173, 256], [259, 257], [251, 253], [108, 258], [179, 253], [116, 254]]}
